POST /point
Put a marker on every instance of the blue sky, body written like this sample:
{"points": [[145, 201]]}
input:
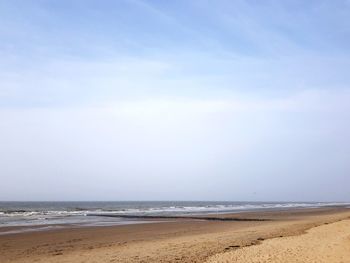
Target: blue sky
{"points": [[185, 100]]}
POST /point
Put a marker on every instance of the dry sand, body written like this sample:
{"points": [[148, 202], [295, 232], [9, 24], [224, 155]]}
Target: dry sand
{"points": [[182, 240], [327, 243]]}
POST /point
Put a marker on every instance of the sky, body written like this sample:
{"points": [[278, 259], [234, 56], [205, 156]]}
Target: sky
{"points": [[175, 100]]}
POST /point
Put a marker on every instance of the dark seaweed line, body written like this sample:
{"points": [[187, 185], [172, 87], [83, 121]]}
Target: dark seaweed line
{"points": [[181, 217]]}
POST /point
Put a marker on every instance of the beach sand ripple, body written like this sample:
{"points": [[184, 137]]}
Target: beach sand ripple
{"points": [[327, 243]]}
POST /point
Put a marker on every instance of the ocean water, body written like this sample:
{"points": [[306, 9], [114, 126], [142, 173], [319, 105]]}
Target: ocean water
{"points": [[58, 214]]}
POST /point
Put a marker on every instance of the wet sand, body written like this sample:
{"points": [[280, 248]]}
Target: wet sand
{"points": [[174, 240]]}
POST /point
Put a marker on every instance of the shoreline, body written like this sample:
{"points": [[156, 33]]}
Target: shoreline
{"points": [[145, 219], [180, 240]]}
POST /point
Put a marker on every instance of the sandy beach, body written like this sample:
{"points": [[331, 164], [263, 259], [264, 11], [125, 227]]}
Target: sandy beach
{"points": [[275, 235], [326, 243]]}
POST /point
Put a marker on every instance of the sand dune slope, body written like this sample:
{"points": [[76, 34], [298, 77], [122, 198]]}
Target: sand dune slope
{"points": [[327, 243]]}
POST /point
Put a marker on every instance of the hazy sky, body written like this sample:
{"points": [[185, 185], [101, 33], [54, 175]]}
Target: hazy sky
{"points": [[175, 100]]}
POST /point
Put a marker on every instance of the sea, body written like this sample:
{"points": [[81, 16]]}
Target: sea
{"points": [[94, 213], [45, 215]]}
